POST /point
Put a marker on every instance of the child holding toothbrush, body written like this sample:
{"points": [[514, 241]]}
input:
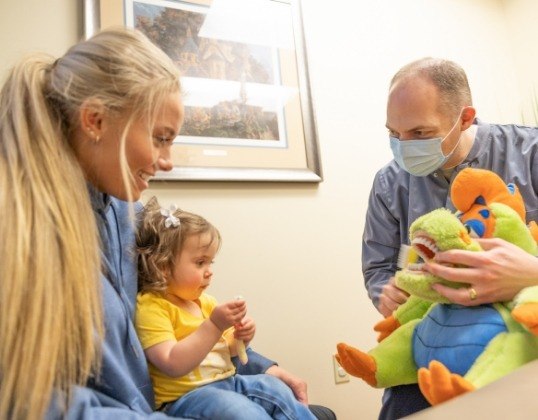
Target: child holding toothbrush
{"points": [[188, 338]]}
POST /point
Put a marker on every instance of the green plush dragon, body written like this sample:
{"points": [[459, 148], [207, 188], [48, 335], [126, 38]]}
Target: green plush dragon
{"points": [[451, 349]]}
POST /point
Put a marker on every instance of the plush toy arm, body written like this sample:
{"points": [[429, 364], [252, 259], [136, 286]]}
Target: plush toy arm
{"points": [[526, 308], [414, 308]]}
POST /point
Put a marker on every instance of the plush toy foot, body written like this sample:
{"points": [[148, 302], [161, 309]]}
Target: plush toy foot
{"points": [[527, 314], [438, 385], [386, 327], [357, 363]]}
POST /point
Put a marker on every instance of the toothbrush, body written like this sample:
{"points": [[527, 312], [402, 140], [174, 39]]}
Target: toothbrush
{"points": [[240, 345], [406, 256]]}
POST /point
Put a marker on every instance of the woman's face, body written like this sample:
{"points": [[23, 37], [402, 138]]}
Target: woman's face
{"points": [[147, 150]]}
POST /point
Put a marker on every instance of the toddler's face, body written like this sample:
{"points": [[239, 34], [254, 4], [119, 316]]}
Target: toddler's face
{"points": [[192, 272]]}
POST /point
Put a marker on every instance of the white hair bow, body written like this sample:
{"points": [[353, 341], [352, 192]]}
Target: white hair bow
{"points": [[171, 220]]}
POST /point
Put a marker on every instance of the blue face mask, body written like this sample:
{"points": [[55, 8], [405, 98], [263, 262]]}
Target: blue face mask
{"points": [[421, 157]]}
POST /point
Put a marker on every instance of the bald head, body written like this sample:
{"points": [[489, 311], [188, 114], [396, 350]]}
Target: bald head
{"points": [[448, 78]]}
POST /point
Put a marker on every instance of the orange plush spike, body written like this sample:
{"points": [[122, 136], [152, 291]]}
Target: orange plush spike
{"points": [[425, 383], [385, 327], [472, 183], [357, 363], [438, 385], [527, 314]]}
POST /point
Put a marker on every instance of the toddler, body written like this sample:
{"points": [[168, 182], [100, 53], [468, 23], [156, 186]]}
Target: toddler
{"points": [[188, 338]]}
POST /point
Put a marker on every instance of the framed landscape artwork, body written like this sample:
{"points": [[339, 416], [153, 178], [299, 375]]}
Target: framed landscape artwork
{"points": [[248, 107]]}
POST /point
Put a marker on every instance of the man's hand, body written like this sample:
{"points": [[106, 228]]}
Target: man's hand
{"points": [[391, 297], [497, 274]]}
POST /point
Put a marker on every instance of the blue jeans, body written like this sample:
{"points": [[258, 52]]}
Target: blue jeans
{"points": [[241, 398]]}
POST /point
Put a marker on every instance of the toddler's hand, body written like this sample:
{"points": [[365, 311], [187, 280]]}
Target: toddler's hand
{"points": [[228, 314], [245, 330]]}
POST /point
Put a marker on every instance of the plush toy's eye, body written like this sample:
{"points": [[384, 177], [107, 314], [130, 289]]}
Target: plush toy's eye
{"points": [[480, 200], [484, 213], [473, 234], [475, 228]]}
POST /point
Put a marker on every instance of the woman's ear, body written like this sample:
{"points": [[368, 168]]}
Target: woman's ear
{"points": [[92, 112]]}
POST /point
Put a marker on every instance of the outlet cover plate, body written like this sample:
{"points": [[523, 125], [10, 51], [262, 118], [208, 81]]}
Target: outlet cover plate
{"points": [[340, 375]]}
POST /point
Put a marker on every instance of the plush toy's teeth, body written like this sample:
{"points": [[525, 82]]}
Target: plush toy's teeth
{"points": [[426, 241], [425, 247], [415, 267]]}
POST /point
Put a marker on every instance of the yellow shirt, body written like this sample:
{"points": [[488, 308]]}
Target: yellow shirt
{"points": [[159, 320]]}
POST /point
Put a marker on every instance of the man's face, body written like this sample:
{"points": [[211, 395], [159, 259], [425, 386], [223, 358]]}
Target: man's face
{"points": [[414, 113]]}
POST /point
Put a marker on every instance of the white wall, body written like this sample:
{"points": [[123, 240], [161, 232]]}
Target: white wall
{"points": [[49, 26], [293, 250], [521, 24]]}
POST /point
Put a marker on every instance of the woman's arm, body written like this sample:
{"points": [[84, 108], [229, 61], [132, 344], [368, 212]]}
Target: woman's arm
{"points": [[90, 404]]}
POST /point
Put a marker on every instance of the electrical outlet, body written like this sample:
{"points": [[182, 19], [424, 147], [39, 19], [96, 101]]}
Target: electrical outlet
{"points": [[340, 375]]}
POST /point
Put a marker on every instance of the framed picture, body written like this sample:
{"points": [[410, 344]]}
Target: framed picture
{"points": [[248, 106]]}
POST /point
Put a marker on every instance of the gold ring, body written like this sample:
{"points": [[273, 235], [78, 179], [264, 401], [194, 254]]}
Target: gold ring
{"points": [[472, 293]]}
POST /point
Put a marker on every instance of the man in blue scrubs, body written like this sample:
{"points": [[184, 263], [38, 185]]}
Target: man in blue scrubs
{"points": [[433, 134]]}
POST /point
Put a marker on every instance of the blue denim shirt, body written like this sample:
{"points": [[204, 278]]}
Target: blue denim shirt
{"points": [[123, 388], [398, 198]]}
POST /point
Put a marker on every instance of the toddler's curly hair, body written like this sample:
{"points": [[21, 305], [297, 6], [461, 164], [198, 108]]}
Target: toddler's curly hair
{"points": [[158, 245]]}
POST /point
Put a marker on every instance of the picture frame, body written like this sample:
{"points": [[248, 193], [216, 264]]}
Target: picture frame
{"points": [[249, 114]]}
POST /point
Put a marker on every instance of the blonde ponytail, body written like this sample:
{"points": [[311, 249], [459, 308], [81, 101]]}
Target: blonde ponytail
{"points": [[51, 323], [50, 311], [50, 315]]}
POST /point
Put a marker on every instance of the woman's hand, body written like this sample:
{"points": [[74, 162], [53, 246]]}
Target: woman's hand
{"points": [[496, 274], [391, 297], [297, 385]]}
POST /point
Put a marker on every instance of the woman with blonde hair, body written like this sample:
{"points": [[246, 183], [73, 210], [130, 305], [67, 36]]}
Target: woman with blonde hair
{"points": [[75, 132], [80, 137]]}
